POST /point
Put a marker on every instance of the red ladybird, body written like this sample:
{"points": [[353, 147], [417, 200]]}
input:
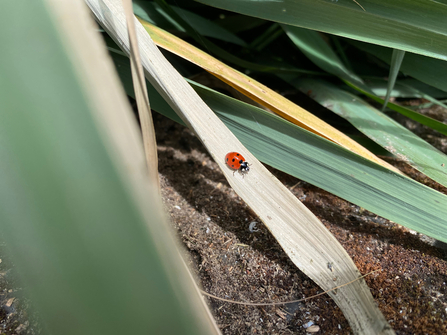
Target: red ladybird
{"points": [[237, 162]]}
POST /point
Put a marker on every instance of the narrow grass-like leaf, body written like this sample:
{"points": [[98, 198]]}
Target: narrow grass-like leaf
{"points": [[341, 52], [153, 13], [322, 55], [268, 36], [396, 61], [380, 128], [304, 238], [423, 87], [288, 148], [425, 120], [424, 96], [408, 88], [77, 211], [404, 88], [224, 54], [428, 70], [415, 26], [379, 86], [256, 91], [142, 99]]}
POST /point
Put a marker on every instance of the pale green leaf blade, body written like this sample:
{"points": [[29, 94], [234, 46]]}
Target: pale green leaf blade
{"points": [[408, 88], [396, 61], [380, 128], [320, 53], [306, 156], [432, 123], [428, 70], [404, 88], [414, 26], [295, 151]]}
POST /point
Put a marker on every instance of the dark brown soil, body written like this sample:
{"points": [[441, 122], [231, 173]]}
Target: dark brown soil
{"points": [[235, 263], [15, 317]]}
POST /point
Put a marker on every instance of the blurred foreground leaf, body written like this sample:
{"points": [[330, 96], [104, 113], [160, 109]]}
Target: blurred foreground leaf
{"points": [[83, 225]]}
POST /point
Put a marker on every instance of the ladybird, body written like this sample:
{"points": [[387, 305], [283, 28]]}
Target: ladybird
{"points": [[237, 162]]}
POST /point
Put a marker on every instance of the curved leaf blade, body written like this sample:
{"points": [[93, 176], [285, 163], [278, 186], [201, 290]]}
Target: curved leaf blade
{"points": [[319, 52], [425, 120], [307, 242], [304, 155], [396, 61], [428, 70], [379, 127], [256, 91], [414, 26]]}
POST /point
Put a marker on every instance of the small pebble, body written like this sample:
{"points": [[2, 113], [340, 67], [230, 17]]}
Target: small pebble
{"points": [[252, 227], [307, 325], [313, 329]]}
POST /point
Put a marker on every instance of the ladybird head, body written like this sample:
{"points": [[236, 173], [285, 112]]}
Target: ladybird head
{"points": [[244, 167]]}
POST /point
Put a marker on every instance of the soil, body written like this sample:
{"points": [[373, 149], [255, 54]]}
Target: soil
{"points": [[235, 257]]}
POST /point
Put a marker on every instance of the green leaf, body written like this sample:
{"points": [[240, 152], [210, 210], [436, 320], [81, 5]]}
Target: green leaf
{"points": [[396, 61], [304, 155], [84, 248], [319, 52], [379, 127], [156, 15], [223, 53], [404, 88], [428, 70], [267, 37], [432, 123], [238, 23], [415, 26], [407, 88]]}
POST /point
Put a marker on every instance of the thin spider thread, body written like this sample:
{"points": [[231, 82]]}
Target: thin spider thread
{"points": [[283, 302]]}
